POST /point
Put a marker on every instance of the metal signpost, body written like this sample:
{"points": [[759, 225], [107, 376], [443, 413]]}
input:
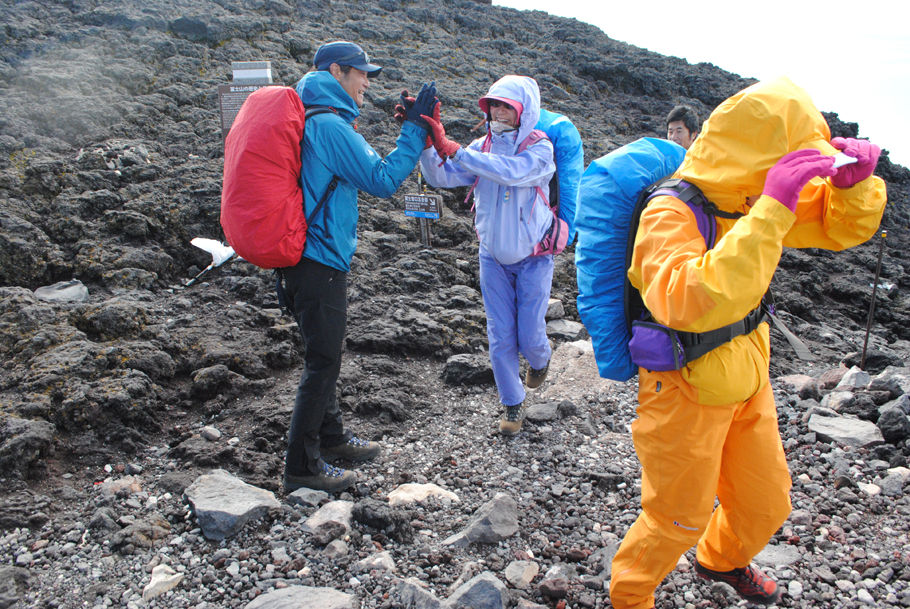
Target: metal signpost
{"points": [[247, 77], [424, 207]]}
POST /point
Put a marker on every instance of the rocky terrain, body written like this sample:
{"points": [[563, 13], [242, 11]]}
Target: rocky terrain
{"points": [[130, 405]]}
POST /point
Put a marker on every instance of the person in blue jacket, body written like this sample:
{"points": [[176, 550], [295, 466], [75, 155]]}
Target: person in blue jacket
{"points": [[337, 163], [512, 217]]}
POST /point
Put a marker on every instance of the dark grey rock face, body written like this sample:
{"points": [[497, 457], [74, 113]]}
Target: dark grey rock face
{"points": [[894, 425], [111, 162]]}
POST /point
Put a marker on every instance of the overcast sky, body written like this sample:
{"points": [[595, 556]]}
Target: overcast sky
{"points": [[862, 73]]}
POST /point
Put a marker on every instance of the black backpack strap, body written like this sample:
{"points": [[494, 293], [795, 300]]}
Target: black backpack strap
{"points": [[312, 111], [634, 306], [690, 194], [554, 192], [285, 302]]}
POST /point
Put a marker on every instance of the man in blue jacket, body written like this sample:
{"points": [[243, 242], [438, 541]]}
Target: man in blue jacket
{"points": [[337, 163]]}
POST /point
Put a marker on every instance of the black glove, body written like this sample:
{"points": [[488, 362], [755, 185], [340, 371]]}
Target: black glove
{"points": [[401, 109], [424, 104]]}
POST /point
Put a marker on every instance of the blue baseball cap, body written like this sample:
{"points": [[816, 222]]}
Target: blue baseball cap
{"points": [[344, 54]]}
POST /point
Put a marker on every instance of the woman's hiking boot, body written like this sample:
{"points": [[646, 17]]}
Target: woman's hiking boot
{"points": [[330, 479], [535, 378], [354, 449], [749, 582], [512, 418]]}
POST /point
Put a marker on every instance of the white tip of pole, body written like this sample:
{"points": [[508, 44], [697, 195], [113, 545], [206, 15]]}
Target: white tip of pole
{"points": [[220, 252]]}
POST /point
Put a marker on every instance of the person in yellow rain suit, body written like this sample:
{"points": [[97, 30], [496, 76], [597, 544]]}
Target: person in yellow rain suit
{"points": [[710, 429]]}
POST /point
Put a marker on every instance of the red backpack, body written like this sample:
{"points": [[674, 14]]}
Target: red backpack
{"points": [[262, 211]]}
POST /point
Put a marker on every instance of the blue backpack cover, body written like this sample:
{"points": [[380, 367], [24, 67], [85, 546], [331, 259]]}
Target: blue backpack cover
{"points": [[569, 156], [609, 191]]}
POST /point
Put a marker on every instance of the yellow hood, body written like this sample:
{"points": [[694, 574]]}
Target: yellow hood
{"points": [[746, 135]]}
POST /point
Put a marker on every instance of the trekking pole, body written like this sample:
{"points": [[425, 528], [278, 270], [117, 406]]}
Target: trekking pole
{"points": [[878, 269], [206, 270], [199, 275], [221, 254]]}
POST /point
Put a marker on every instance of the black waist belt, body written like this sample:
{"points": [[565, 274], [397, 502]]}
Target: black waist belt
{"points": [[697, 344]]}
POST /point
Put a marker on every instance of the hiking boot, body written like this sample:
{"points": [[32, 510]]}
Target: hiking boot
{"points": [[749, 582], [534, 378], [510, 423], [330, 479], [354, 449]]}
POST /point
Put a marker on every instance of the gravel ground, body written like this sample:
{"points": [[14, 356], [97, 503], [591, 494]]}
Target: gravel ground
{"points": [[575, 479]]}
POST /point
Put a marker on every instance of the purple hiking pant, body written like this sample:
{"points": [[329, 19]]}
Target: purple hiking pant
{"points": [[515, 298]]}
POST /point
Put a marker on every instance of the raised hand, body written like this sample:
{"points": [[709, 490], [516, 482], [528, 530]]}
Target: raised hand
{"points": [[401, 111], [866, 154], [401, 108], [793, 171], [424, 103], [444, 146]]}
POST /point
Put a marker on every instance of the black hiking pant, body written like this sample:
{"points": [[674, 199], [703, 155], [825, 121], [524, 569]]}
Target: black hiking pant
{"points": [[317, 295]]}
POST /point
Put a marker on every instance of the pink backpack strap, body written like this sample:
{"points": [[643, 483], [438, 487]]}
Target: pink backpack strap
{"points": [[532, 138], [535, 136], [485, 147], [487, 143]]}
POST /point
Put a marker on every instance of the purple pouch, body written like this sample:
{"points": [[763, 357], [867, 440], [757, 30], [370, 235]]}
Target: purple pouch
{"points": [[656, 347]]}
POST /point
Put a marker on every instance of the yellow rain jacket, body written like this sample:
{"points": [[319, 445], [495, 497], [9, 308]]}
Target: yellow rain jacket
{"points": [[690, 288], [710, 430]]}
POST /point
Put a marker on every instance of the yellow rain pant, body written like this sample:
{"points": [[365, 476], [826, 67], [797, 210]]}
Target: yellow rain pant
{"points": [[691, 453]]}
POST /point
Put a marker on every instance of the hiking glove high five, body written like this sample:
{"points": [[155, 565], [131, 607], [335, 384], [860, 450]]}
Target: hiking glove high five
{"points": [[793, 171], [866, 154], [444, 146], [401, 111], [423, 104], [401, 108]]}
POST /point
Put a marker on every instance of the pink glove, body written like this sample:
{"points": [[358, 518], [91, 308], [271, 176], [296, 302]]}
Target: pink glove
{"points": [[793, 171], [444, 146], [866, 154]]}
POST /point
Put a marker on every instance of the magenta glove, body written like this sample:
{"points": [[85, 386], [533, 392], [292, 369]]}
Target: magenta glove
{"points": [[866, 154], [400, 114], [793, 171]]}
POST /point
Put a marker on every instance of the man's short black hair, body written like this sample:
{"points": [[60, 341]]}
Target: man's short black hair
{"points": [[685, 114]]}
